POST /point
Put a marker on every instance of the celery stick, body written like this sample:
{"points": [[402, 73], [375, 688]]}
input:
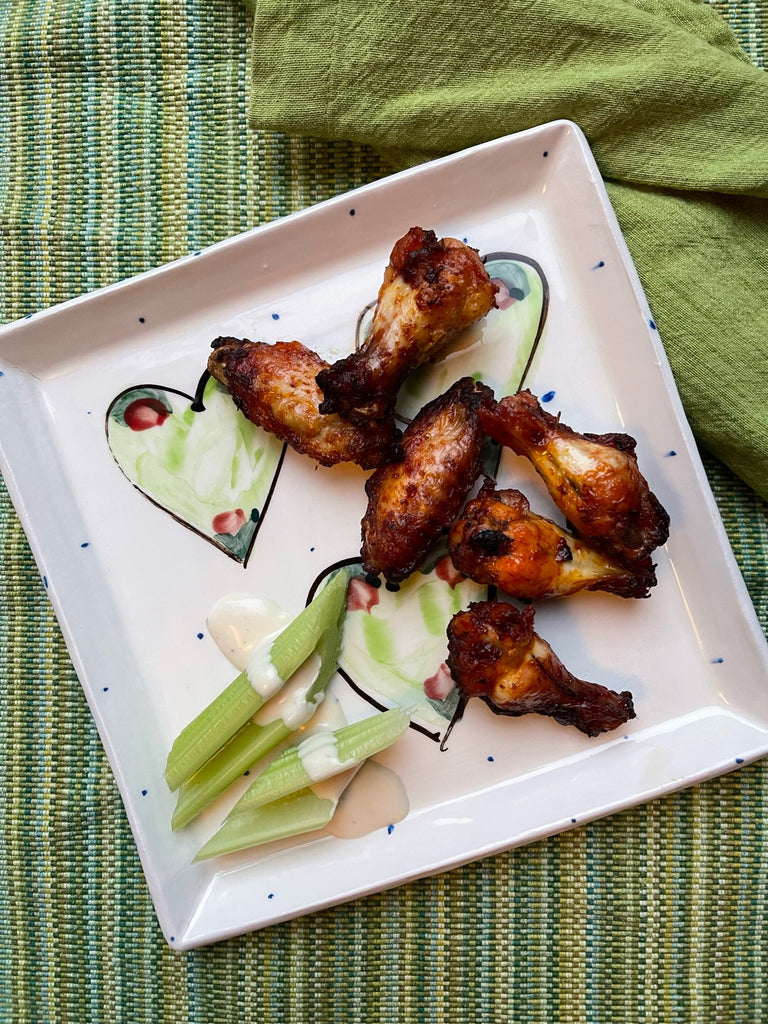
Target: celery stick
{"points": [[212, 727], [228, 712], [253, 741], [326, 754], [246, 747], [300, 812]]}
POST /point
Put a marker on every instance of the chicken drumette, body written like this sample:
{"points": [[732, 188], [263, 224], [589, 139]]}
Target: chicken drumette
{"points": [[432, 289], [275, 387], [499, 540], [494, 654], [412, 501], [592, 478]]}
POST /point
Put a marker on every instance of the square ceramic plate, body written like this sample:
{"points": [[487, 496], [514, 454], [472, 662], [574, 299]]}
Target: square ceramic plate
{"points": [[133, 563]]}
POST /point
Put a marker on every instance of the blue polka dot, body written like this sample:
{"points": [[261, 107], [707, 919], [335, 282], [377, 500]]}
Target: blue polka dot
{"points": [[545, 153], [490, 757], [652, 324], [2, 374], [573, 821], [45, 582], [352, 212], [716, 661], [271, 896], [670, 454], [598, 265], [85, 544], [144, 792], [275, 316], [105, 689], [739, 760], [142, 320], [200, 636], [548, 396], [390, 829]]}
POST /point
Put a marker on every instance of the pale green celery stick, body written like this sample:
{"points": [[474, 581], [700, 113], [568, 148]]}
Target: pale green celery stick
{"points": [[253, 741], [293, 815], [228, 712], [247, 746], [354, 743]]}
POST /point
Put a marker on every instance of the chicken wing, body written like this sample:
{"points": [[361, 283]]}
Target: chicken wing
{"points": [[274, 386], [411, 502], [431, 290], [499, 540], [494, 654], [593, 478]]}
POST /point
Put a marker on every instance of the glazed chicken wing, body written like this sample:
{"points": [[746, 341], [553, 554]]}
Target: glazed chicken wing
{"points": [[411, 502], [593, 479], [494, 654], [499, 540], [274, 386], [431, 290]]}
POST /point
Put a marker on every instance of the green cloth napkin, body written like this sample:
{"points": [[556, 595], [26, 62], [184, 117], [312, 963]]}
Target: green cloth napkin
{"points": [[675, 113]]}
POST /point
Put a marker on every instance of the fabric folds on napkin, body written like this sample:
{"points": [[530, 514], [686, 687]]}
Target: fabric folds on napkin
{"points": [[675, 113]]}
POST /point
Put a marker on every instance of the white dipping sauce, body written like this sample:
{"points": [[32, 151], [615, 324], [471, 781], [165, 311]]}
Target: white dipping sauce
{"points": [[371, 796], [291, 703], [319, 755], [260, 672], [375, 798], [240, 623]]}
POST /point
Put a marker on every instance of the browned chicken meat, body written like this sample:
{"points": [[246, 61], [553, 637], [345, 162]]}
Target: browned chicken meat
{"points": [[494, 654], [412, 501], [593, 478], [499, 540], [275, 387], [432, 289]]}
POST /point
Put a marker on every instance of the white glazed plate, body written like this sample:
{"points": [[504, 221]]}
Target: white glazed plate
{"points": [[132, 587]]}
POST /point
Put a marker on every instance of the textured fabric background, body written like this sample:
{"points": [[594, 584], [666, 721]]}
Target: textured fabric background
{"points": [[125, 144], [675, 114]]}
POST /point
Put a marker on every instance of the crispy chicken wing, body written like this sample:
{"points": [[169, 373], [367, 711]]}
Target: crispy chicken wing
{"points": [[431, 290], [494, 654], [499, 540], [411, 502], [274, 386], [593, 478]]}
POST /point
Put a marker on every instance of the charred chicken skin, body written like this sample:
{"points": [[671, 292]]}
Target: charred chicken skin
{"points": [[494, 654], [592, 478], [412, 501], [274, 386], [499, 540], [432, 289]]}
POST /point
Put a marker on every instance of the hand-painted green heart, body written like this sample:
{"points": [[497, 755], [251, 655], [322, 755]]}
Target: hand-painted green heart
{"points": [[210, 469], [394, 644]]}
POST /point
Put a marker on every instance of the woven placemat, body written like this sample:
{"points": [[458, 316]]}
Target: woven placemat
{"points": [[125, 145]]}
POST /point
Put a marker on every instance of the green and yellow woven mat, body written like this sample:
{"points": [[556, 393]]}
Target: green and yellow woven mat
{"points": [[125, 144]]}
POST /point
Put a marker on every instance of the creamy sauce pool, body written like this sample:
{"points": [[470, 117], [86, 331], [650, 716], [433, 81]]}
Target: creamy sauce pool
{"points": [[370, 796], [374, 799], [239, 623]]}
